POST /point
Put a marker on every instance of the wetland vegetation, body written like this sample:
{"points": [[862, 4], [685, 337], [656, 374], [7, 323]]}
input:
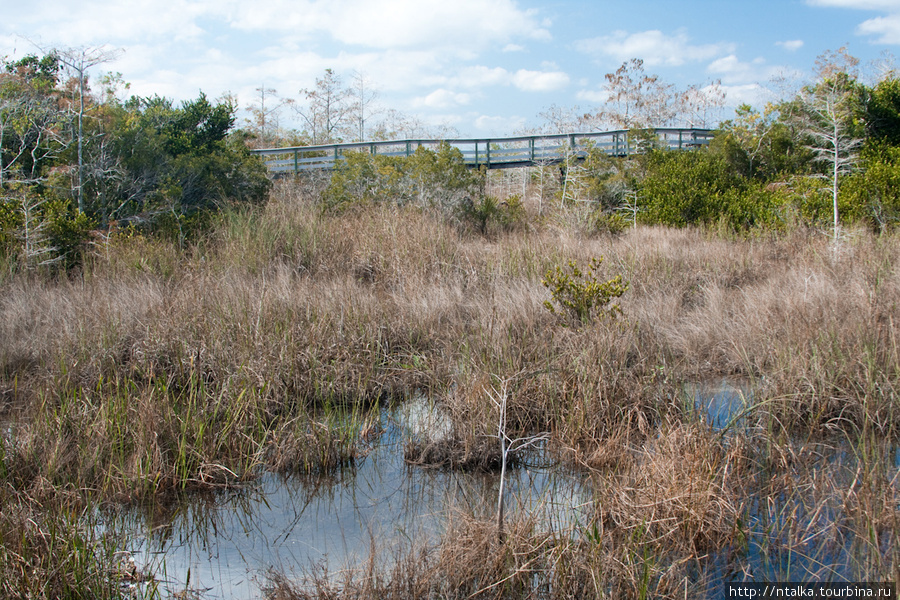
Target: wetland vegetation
{"points": [[156, 375], [219, 355]]}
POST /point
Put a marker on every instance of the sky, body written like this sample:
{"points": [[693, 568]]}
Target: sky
{"points": [[482, 67]]}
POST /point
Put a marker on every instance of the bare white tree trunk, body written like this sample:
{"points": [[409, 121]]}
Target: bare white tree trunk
{"points": [[508, 446], [828, 125]]}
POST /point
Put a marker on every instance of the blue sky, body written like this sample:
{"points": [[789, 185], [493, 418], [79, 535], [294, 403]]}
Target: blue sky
{"points": [[483, 67]]}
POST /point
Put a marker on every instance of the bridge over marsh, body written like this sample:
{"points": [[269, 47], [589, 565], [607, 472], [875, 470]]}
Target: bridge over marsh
{"points": [[491, 153]]}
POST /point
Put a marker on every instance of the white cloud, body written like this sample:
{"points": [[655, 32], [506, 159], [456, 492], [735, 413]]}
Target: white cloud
{"points": [[461, 28], [790, 45], [540, 81], [886, 28], [753, 94], [653, 47], [58, 22], [594, 96], [442, 99], [394, 23], [494, 125], [889, 5], [480, 76], [734, 71]]}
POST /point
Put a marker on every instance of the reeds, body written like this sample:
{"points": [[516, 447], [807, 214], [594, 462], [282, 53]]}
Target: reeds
{"points": [[268, 345], [51, 549]]}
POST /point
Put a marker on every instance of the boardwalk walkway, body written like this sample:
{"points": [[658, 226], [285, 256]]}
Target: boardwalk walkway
{"points": [[492, 153]]}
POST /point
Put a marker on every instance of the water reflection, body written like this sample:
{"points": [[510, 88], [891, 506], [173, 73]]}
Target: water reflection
{"points": [[721, 403], [223, 547], [807, 509]]}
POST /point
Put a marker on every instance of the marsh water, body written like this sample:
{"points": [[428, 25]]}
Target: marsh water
{"points": [[224, 546]]}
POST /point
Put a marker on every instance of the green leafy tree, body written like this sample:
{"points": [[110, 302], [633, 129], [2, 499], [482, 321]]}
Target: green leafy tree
{"points": [[182, 163], [882, 111]]}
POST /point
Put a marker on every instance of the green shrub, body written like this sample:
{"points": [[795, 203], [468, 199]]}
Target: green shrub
{"points": [[489, 213], [686, 188], [436, 179], [608, 222], [361, 177], [10, 223], [580, 297], [68, 230], [873, 194]]}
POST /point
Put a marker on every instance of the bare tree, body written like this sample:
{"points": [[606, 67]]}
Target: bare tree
{"points": [[833, 64], [558, 119], [363, 95], [30, 124], [328, 109], [659, 103], [828, 124], [79, 60], [264, 115], [700, 107], [508, 445], [627, 87], [10, 107]]}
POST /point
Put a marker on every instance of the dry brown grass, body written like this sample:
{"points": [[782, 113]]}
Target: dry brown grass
{"points": [[281, 330], [684, 491], [299, 307]]}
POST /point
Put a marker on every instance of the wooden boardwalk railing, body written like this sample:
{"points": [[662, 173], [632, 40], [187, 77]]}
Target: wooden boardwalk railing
{"points": [[492, 153]]}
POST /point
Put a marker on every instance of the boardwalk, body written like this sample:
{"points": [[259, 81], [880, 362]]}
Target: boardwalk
{"points": [[492, 153]]}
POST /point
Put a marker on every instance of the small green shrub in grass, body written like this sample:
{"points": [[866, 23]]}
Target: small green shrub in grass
{"points": [[581, 297]]}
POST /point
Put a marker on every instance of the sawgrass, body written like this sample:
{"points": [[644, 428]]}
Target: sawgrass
{"points": [[272, 343]]}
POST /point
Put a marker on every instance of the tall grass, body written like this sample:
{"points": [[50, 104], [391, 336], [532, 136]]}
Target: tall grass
{"points": [[266, 346]]}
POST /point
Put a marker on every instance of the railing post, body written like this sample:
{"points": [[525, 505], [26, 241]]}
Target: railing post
{"points": [[296, 162], [487, 153], [531, 150]]}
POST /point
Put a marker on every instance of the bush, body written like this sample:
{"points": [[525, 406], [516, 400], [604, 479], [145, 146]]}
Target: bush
{"points": [[608, 222], [581, 296], [361, 177], [69, 231], [686, 188], [873, 194], [10, 223], [489, 213], [430, 179]]}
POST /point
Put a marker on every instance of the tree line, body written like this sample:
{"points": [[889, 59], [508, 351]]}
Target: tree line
{"points": [[80, 156], [826, 156], [74, 158]]}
